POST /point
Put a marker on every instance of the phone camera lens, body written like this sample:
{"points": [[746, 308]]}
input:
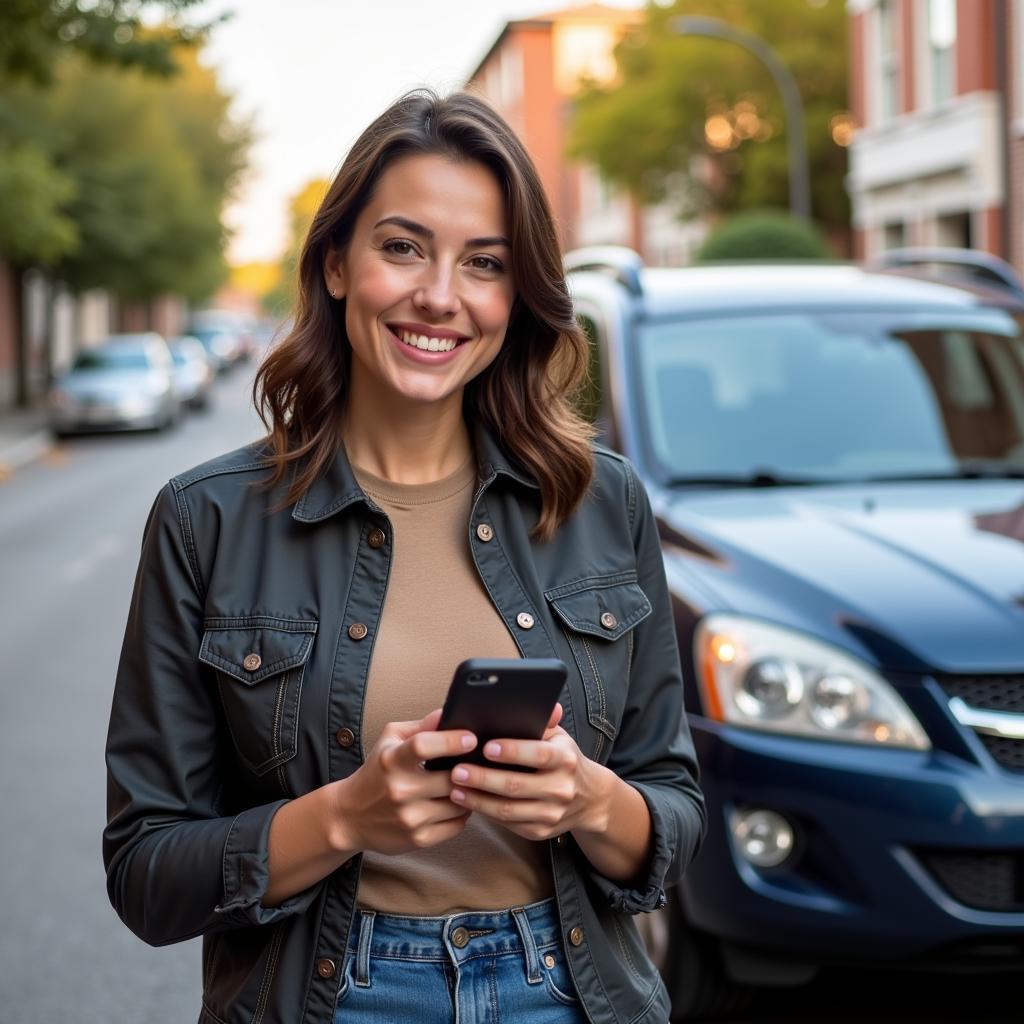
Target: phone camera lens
{"points": [[475, 677]]}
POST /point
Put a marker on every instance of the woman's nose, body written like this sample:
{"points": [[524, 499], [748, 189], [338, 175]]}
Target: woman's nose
{"points": [[437, 293]]}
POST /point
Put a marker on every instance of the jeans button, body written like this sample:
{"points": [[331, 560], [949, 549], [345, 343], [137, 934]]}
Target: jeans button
{"points": [[460, 938]]}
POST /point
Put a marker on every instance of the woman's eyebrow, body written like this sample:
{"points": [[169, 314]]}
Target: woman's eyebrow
{"points": [[425, 232]]}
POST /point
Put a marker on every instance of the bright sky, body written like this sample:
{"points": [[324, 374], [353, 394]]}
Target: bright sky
{"points": [[314, 73]]}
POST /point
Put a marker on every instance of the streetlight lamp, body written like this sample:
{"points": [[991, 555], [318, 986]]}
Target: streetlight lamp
{"points": [[799, 176]]}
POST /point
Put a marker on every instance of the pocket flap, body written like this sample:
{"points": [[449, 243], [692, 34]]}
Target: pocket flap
{"points": [[253, 648], [605, 607]]}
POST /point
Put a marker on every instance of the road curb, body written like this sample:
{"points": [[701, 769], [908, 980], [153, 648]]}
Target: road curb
{"points": [[22, 452]]}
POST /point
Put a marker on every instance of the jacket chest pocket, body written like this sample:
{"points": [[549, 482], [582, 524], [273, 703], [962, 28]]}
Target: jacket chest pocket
{"points": [[259, 663], [598, 616]]}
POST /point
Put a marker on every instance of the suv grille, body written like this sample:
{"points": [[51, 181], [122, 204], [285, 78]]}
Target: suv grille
{"points": [[993, 693], [981, 880]]}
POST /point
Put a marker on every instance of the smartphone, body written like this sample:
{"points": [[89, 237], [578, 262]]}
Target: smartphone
{"points": [[500, 698]]}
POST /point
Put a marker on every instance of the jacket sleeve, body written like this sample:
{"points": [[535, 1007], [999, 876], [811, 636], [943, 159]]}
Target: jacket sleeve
{"points": [[653, 751], [175, 866]]}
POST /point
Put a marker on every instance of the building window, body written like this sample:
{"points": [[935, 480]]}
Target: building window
{"points": [[894, 235], [954, 229], [888, 60], [941, 49]]}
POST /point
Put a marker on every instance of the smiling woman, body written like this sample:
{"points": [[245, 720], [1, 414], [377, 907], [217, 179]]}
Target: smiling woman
{"points": [[427, 495], [436, 227]]}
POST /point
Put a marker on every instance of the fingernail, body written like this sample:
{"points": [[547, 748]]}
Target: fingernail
{"points": [[457, 794], [468, 742], [493, 750], [460, 774]]}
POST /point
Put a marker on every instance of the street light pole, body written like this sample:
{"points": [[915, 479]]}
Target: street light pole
{"points": [[799, 175]]}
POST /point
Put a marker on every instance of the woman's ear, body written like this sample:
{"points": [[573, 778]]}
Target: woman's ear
{"points": [[334, 273]]}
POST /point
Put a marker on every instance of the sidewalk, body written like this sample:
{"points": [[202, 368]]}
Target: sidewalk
{"points": [[24, 438]]}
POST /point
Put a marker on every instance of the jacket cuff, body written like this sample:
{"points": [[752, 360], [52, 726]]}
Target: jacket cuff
{"points": [[246, 872], [651, 894]]}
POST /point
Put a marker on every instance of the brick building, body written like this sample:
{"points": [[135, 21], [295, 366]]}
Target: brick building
{"points": [[530, 75], [937, 89]]}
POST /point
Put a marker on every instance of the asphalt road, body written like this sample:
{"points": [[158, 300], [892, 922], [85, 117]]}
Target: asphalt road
{"points": [[70, 528]]}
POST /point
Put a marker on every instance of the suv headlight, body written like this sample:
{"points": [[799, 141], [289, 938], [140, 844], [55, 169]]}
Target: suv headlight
{"points": [[766, 677]]}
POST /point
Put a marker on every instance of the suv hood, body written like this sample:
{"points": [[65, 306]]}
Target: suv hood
{"points": [[912, 577]]}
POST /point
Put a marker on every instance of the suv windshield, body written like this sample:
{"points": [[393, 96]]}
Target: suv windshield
{"points": [[836, 395]]}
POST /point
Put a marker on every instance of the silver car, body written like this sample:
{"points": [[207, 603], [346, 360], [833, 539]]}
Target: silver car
{"points": [[193, 371], [125, 383]]}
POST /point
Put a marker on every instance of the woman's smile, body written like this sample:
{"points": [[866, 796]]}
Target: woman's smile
{"points": [[426, 341]]}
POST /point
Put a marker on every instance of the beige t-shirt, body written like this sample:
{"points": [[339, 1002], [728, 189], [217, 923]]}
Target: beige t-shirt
{"points": [[436, 614]]}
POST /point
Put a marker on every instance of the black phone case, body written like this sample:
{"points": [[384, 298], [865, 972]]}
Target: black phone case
{"points": [[500, 698]]}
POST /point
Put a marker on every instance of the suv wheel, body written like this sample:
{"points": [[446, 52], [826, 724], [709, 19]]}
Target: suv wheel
{"points": [[691, 965]]}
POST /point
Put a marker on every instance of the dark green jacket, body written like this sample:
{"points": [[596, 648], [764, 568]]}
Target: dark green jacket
{"points": [[207, 742]]}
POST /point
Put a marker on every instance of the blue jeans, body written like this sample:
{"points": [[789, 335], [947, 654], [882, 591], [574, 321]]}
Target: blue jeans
{"points": [[471, 968]]}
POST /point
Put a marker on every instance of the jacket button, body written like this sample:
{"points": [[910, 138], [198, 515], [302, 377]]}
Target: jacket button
{"points": [[376, 539], [525, 620], [576, 936], [484, 532], [357, 631], [345, 737], [325, 968], [251, 662], [609, 621], [460, 938]]}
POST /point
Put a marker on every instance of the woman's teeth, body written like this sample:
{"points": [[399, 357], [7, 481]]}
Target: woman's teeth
{"points": [[426, 343]]}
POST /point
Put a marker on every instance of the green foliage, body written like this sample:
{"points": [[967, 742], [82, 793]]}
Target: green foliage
{"points": [[280, 300], [763, 235], [34, 34], [150, 162], [647, 131], [34, 195]]}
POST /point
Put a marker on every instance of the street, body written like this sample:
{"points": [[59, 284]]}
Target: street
{"points": [[71, 526]]}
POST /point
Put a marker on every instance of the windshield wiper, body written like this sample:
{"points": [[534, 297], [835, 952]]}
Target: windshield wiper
{"points": [[966, 471], [755, 478]]}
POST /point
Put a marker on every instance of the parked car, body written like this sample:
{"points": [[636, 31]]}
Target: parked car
{"points": [[124, 383], [836, 462], [193, 371], [225, 334]]}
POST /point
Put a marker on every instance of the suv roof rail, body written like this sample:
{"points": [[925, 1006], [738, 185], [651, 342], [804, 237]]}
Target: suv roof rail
{"points": [[620, 262], [974, 265]]}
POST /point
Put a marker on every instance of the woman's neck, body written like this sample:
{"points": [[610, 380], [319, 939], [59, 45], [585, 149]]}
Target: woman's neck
{"points": [[416, 443]]}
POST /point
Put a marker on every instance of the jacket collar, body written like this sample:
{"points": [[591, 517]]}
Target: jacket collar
{"points": [[338, 487]]}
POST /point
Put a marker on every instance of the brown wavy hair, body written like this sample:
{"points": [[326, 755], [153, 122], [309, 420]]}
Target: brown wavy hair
{"points": [[525, 397]]}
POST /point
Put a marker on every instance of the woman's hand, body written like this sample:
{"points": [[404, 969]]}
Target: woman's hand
{"points": [[567, 791], [391, 804]]}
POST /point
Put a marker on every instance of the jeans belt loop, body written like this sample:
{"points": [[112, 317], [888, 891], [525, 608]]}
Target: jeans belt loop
{"points": [[363, 952], [533, 975]]}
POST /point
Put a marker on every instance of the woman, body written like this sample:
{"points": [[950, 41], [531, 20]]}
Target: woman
{"points": [[426, 494]]}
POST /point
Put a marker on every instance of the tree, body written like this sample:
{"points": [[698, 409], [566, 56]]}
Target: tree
{"points": [[153, 161], [280, 301], [35, 34], [684, 102]]}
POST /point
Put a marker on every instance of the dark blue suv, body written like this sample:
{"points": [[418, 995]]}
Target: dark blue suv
{"points": [[836, 461]]}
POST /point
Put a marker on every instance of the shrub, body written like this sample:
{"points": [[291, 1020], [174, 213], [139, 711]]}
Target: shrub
{"points": [[763, 234]]}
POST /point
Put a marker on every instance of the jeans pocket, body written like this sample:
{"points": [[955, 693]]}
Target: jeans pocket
{"points": [[557, 979]]}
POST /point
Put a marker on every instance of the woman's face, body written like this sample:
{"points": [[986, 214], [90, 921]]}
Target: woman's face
{"points": [[426, 278]]}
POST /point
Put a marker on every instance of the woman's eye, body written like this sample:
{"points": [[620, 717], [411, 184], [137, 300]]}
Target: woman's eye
{"points": [[399, 247], [486, 263]]}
